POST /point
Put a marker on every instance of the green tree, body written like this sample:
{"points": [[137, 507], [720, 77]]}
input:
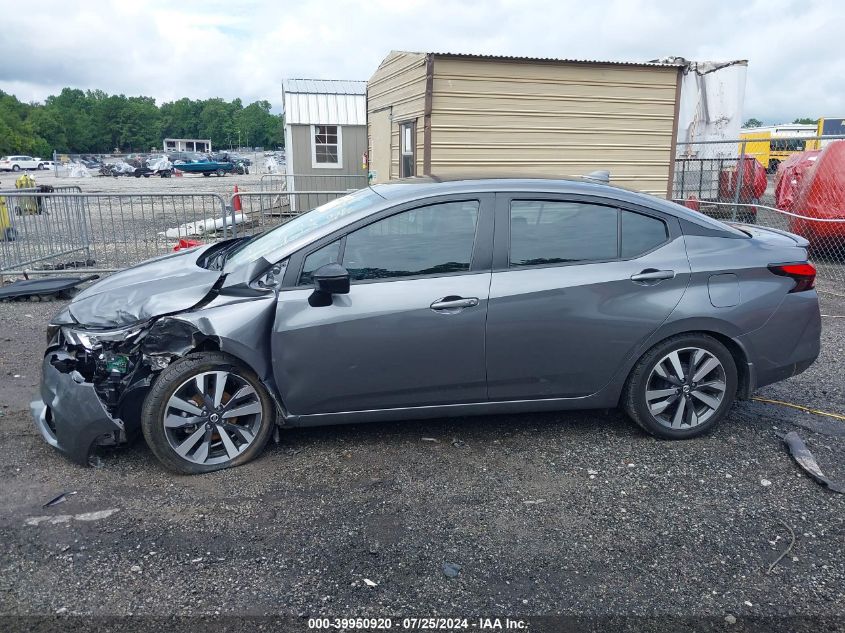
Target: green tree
{"points": [[806, 121], [752, 122], [76, 121]]}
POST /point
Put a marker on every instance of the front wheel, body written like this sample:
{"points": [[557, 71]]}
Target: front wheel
{"points": [[220, 173], [681, 387], [207, 412]]}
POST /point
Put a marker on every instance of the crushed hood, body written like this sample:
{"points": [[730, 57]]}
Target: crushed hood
{"points": [[160, 286]]}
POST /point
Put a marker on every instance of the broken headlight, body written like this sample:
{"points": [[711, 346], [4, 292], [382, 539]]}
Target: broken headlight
{"points": [[52, 333], [92, 339]]}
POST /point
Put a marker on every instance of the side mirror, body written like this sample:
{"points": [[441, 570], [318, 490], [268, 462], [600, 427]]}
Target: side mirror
{"points": [[331, 279]]}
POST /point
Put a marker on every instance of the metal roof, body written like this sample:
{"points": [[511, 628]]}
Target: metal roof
{"points": [[516, 58], [324, 86], [324, 102]]}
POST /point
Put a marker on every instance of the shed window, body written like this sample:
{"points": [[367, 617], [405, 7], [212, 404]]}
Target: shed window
{"points": [[326, 146]]}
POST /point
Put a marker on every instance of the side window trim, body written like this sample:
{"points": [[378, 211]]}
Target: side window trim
{"points": [[482, 241], [421, 205], [502, 241]]}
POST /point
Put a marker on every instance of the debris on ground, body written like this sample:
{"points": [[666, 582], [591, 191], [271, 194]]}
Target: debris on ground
{"points": [[765, 483], [451, 569], [802, 455], [370, 583], [36, 289], [59, 499], [788, 547], [430, 439]]}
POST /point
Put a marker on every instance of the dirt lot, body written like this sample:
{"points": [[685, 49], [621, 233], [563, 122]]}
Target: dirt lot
{"points": [[573, 514]]}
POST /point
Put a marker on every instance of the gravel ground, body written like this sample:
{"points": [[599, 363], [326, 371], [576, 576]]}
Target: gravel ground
{"points": [[574, 514]]}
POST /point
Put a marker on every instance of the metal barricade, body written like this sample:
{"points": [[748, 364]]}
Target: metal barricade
{"points": [[313, 182], [102, 232], [253, 212]]}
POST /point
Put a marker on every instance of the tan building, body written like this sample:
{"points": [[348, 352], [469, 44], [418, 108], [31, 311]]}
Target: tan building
{"points": [[447, 114]]}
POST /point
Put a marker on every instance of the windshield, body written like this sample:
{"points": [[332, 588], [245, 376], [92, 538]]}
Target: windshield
{"points": [[266, 243]]}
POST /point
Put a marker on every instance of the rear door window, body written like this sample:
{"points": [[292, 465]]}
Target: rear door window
{"points": [[556, 232], [641, 233]]}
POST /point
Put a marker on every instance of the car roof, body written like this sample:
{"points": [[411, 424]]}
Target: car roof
{"points": [[408, 189]]}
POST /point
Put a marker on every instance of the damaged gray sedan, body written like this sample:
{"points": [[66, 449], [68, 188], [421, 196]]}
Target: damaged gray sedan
{"points": [[418, 300]]}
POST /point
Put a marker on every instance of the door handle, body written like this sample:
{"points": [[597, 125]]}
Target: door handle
{"points": [[651, 274], [454, 303]]}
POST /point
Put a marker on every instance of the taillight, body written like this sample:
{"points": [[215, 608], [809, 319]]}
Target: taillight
{"points": [[804, 274]]}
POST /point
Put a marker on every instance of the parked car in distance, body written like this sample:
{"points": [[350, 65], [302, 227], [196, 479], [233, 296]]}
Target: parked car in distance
{"points": [[47, 164], [201, 164], [424, 299], [19, 162]]}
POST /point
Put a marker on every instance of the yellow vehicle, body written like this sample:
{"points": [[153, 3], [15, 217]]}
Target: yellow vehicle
{"points": [[774, 144], [827, 127], [7, 231]]}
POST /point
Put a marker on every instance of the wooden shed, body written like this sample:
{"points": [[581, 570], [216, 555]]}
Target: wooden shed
{"points": [[447, 114], [325, 137]]}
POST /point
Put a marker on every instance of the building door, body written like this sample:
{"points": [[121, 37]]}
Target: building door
{"points": [[379, 155], [407, 149]]}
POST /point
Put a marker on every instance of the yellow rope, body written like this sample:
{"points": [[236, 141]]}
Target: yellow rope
{"points": [[801, 408]]}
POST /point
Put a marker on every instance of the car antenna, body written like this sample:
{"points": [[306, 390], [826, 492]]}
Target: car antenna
{"points": [[602, 176]]}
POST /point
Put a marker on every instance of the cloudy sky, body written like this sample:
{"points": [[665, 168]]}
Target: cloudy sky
{"points": [[243, 48]]}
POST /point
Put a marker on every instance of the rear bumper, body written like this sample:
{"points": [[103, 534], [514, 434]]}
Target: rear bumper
{"points": [[788, 343], [69, 414]]}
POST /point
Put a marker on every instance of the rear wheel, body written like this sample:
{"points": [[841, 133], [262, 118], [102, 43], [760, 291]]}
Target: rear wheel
{"points": [[16, 167], [207, 412], [681, 387]]}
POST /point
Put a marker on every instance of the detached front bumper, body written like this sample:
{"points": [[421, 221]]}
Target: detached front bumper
{"points": [[69, 415]]}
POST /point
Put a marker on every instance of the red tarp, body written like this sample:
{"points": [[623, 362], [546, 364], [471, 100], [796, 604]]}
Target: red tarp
{"points": [[819, 193], [789, 176], [754, 181]]}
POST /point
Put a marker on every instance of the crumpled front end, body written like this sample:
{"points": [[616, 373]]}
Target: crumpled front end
{"points": [[70, 416], [92, 385]]}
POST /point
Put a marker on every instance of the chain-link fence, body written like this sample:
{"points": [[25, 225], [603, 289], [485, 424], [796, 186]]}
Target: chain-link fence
{"points": [[797, 186]]}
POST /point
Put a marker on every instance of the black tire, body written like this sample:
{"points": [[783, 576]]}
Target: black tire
{"points": [[220, 173], [205, 173], [634, 394], [169, 381], [16, 167]]}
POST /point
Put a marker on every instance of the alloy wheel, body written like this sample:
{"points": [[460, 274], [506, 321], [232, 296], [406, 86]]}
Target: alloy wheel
{"points": [[685, 388], [212, 417]]}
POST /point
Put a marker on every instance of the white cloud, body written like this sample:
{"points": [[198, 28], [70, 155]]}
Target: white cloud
{"points": [[243, 49]]}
